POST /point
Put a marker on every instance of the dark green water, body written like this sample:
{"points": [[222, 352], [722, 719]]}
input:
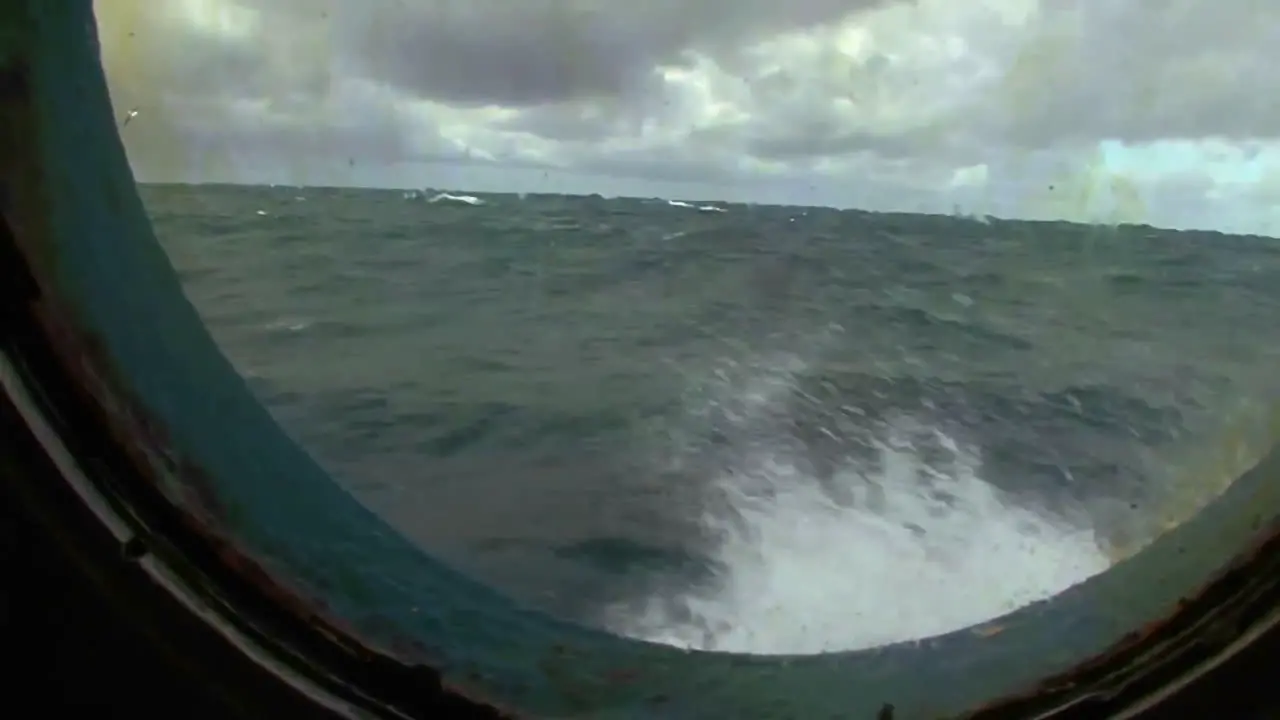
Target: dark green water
{"points": [[763, 428]]}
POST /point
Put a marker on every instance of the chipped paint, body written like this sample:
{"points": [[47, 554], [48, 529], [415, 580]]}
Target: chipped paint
{"points": [[122, 328]]}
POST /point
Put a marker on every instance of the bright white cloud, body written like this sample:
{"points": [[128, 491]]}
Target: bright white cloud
{"points": [[224, 21], [1154, 111]]}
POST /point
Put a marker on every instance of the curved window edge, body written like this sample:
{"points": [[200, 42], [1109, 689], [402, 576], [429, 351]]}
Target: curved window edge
{"points": [[109, 366]]}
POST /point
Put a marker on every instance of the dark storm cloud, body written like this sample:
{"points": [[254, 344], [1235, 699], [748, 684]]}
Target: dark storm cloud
{"points": [[522, 53], [1136, 70], [582, 74]]}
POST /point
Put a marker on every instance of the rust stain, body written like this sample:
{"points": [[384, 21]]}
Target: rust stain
{"points": [[147, 443], [987, 631], [189, 488], [502, 711], [1135, 652]]}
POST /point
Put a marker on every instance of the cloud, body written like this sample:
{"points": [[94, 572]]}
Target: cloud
{"points": [[993, 104], [1140, 72], [522, 54]]}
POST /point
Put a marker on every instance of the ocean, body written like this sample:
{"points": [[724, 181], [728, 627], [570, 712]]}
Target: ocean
{"points": [[753, 428]]}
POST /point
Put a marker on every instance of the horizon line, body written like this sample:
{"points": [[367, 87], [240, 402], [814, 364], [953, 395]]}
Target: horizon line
{"points": [[980, 218]]}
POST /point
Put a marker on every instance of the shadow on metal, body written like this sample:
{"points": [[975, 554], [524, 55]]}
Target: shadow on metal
{"points": [[196, 553]]}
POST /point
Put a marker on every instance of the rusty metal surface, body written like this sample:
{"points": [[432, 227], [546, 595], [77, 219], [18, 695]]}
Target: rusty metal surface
{"points": [[1203, 622], [114, 312]]}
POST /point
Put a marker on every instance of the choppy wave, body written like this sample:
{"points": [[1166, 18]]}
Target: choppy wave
{"points": [[901, 545], [460, 199], [700, 208], [609, 407]]}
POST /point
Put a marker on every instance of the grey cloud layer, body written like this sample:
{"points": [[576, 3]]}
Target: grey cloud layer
{"points": [[1139, 71], [583, 71], [529, 53]]}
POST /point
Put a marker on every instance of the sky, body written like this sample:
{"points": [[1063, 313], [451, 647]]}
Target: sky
{"points": [[1155, 111]]}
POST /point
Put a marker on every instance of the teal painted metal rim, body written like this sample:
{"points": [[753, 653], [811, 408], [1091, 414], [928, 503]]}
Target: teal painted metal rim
{"points": [[220, 457]]}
